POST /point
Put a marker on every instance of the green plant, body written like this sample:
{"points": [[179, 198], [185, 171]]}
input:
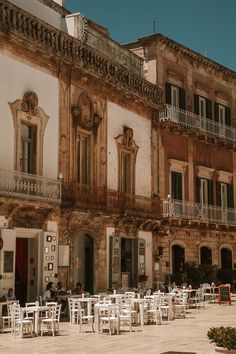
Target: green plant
{"points": [[224, 337]]}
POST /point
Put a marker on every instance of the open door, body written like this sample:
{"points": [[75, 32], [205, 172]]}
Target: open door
{"points": [[7, 260]]}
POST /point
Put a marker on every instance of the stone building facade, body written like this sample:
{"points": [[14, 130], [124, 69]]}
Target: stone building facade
{"points": [[78, 198], [196, 156]]}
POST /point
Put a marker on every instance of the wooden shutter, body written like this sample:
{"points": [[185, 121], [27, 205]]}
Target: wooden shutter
{"points": [[230, 195], [210, 192], [168, 93], [198, 189], [176, 185], [218, 194], [208, 109], [181, 98], [115, 262], [216, 111], [227, 116], [196, 104]]}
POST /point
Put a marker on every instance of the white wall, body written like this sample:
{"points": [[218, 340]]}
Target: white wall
{"points": [[117, 117], [17, 79], [43, 12]]}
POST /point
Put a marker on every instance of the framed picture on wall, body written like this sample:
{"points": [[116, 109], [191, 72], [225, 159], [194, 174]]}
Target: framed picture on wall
{"points": [[53, 248], [49, 238], [46, 249], [50, 266]]}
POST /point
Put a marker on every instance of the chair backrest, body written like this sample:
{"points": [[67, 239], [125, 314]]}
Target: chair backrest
{"points": [[51, 303], [130, 294], [29, 304]]}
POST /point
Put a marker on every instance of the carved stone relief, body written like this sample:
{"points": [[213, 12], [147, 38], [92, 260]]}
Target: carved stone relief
{"points": [[85, 115]]}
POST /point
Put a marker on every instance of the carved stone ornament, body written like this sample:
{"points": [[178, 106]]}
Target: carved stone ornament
{"points": [[84, 115], [155, 119], [30, 103], [127, 137]]}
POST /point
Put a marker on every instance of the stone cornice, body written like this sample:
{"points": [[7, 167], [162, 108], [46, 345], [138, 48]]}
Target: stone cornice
{"points": [[16, 22], [186, 51]]}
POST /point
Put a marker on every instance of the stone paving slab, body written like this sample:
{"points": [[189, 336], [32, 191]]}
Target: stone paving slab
{"points": [[180, 336]]}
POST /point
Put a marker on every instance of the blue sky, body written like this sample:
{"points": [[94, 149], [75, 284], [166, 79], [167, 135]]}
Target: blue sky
{"points": [[198, 24]]}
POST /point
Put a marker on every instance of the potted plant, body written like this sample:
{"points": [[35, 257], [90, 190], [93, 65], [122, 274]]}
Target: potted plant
{"points": [[224, 338]]}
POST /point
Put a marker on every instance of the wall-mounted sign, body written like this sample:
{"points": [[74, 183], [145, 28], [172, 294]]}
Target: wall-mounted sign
{"points": [[8, 262]]}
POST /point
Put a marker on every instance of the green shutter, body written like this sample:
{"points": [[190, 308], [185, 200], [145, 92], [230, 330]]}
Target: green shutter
{"points": [[227, 116], [218, 194], [198, 189], [176, 185], [210, 192], [208, 109], [196, 104], [230, 195], [168, 93], [181, 98]]}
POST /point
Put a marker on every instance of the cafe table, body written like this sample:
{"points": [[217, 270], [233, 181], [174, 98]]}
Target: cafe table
{"points": [[36, 310]]}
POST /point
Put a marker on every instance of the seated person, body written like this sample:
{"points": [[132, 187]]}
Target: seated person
{"points": [[78, 290], [9, 296], [49, 294], [60, 290]]}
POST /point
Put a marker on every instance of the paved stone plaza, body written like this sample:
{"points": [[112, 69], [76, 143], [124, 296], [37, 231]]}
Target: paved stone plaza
{"points": [[181, 335]]}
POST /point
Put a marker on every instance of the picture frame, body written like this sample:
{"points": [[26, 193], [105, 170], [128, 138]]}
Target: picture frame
{"points": [[52, 258], [54, 238], [50, 266], [53, 248], [46, 279], [46, 249], [49, 238], [47, 258]]}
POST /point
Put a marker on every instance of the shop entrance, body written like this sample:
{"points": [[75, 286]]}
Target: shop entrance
{"points": [[84, 261]]}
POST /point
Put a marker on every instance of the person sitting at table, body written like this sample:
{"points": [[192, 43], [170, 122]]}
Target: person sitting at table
{"points": [[78, 290], [60, 290], [9, 296], [49, 294]]}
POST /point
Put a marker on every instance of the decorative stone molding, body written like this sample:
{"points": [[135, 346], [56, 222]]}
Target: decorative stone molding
{"points": [[126, 141], [175, 77], [204, 172], [26, 110], [202, 88], [223, 97], [84, 115], [177, 165], [225, 177]]}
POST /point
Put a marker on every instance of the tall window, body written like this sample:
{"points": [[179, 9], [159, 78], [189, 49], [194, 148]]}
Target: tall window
{"points": [[202, 106], [204, 191], [175, 96], [176, 185], [222, 114], [28, 148], [126, 172], [224, 195], [205, 255], [84, 159]]}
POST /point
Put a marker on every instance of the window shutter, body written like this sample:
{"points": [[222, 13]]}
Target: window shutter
{"points": [[218, 194], [196, 104], [168, 93], [208, 109], [227, 116], [181, 98], [216, 111], [198, 189], [230, 195], [210, 192], [176, 185]]}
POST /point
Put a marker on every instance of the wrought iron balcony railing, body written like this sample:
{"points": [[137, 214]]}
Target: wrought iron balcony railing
{"points": [[197, 123], [31, 187], [92, 197], [178, 209]]}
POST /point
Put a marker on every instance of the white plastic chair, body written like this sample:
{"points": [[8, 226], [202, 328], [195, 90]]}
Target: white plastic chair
{"points": [[50, 323]]}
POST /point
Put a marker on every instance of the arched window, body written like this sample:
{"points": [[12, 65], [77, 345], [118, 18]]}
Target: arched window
{"points": [[178, 259], [205, 255], [226, 258]]}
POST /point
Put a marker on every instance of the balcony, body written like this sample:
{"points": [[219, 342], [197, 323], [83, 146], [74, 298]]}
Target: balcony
{"points": [[197, 123], [178, 209], [31, 187], [92, 197]]}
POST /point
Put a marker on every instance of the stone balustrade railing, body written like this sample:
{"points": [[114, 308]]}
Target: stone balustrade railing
{"points": [[31, 187], [16, 21]]}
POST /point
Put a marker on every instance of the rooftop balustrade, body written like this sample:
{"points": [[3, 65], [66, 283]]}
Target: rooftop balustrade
{"points": [[199, 124]]}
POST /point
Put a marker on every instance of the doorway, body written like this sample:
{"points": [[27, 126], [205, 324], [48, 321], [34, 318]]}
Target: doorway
{"points": [[84, 261], [178, 259], [21, 270]]}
